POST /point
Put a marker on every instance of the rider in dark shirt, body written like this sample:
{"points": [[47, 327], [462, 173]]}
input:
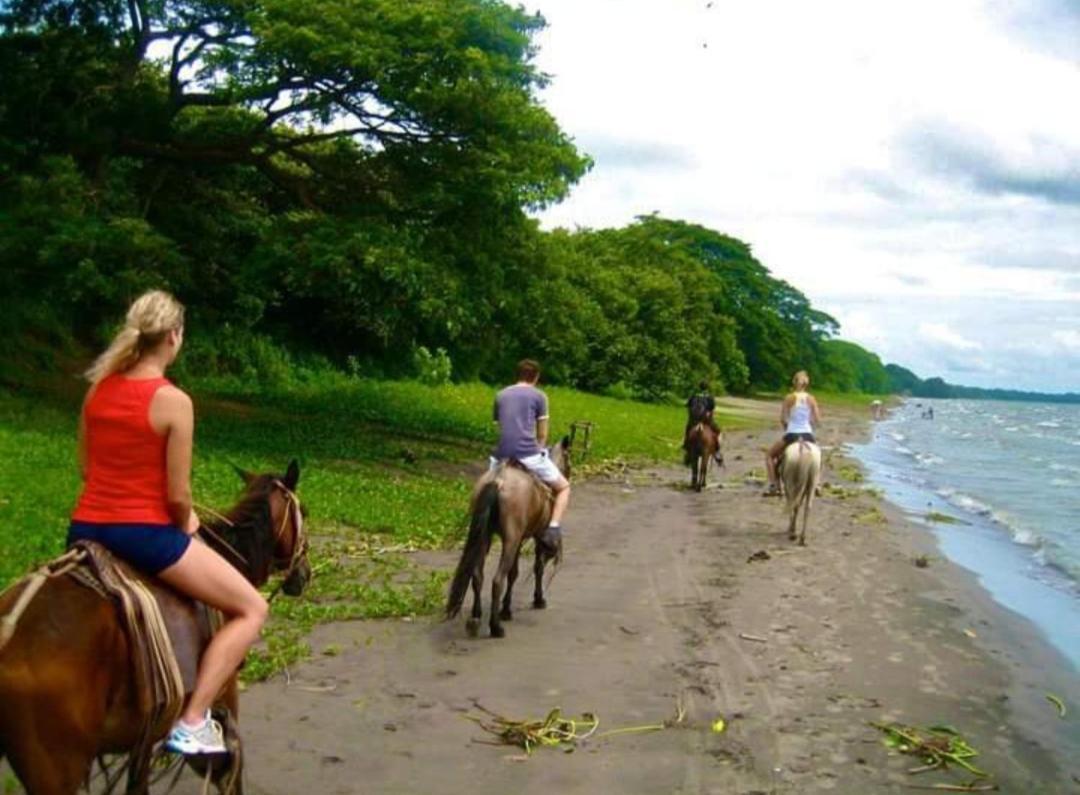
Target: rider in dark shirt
{"points": [[700, 408]]}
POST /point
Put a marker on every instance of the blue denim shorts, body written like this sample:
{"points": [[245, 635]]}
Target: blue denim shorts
{"points": [[150, 548]]}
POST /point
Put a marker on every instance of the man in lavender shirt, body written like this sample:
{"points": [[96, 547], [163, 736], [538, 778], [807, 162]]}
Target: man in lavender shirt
{"points": [[522, 413]]}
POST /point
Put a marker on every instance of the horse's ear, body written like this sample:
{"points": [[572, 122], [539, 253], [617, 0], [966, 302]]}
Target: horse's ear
{"points": [[565, 443], [292, 475], [245, 476]]}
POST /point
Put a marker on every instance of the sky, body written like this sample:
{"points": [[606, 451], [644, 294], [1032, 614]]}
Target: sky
{"points": [[913, 166]]}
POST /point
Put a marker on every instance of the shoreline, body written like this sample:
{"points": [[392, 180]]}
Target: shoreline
{"points": [[981, 537], [1003, 636]]}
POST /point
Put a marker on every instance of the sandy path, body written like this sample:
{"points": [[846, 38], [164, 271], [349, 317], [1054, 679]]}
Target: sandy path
{"points": [[647, 610]]}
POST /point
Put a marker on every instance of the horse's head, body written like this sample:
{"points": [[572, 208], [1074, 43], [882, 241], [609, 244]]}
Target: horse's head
{"points": [[268, 525], [560, 456]]}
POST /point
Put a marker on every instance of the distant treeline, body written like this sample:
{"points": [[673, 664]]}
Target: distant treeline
{"points": [[904, 382], [351, 182]]}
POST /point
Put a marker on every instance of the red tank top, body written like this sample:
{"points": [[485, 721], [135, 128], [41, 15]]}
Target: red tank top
{"points": [[126, 479]]}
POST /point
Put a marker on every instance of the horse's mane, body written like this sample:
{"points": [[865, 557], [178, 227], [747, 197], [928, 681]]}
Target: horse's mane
{"points": [[249, 531]]}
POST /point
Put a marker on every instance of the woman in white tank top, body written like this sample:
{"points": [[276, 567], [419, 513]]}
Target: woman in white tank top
{"points": [[799, 415]]}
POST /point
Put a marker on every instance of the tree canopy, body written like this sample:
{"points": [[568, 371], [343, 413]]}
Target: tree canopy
{"points": [[354, 178]]}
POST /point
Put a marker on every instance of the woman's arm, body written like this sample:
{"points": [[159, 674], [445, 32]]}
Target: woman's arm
{"points": [[171, 411], [84, 456], [785, 411], [815, 412]]}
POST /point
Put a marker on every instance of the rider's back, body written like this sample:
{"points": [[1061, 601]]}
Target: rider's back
{"points": [[517, 409], [126, 468], [799, 418]]}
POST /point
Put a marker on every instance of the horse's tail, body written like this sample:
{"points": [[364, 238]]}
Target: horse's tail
{"points": [[484, 516]]}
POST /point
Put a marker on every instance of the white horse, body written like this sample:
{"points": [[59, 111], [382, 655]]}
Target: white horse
{"points": [[801, 470]]}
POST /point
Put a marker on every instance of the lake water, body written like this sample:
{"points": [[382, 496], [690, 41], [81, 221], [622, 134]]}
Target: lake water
{"points": [[1010, 472]]}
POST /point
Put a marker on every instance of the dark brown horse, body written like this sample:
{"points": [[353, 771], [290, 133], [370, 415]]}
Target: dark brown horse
{"points": [[701, 445], [510, 503], [67, 686]]}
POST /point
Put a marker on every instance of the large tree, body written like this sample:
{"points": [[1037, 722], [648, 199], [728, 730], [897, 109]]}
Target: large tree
{"points": [[355, 156]]}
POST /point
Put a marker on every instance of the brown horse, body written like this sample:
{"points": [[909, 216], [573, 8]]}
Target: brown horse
{"points": [[67, 683], [701, 445], [512, 504]]}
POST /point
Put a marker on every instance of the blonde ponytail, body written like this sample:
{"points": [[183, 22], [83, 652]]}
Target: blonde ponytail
{"points": [[149, 320]]}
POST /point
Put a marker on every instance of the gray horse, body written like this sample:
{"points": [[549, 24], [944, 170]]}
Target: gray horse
{"points": [[510, 503]]}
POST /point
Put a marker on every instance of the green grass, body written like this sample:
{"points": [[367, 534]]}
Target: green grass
{"points": [[382, 467]]}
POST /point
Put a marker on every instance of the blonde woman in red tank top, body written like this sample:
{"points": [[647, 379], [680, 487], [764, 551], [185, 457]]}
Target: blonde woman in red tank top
{"points": [[135, 447]]}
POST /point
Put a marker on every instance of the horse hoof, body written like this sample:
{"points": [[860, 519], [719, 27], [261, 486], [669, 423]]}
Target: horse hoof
{"points": [[472, 627], [497, 631], [539, 604], [506, 615], [802, 542]]}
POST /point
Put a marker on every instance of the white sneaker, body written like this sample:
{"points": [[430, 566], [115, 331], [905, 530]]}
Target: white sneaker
{"points": [[205, 739]]}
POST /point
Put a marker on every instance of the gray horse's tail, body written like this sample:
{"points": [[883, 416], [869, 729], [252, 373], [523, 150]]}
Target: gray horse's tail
{"points": [[485, 516]]}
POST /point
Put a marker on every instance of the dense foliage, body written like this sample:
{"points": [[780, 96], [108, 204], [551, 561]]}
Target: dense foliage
{"points": [[353, 179]]}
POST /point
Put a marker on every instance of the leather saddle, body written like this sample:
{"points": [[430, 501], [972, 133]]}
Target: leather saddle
{"points": [[189, 625]]}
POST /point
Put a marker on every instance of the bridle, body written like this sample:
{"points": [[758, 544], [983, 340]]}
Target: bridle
{"points": [[300, 540]]}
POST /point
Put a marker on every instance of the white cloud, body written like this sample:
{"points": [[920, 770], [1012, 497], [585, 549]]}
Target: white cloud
{"points": [[1067, 338], [941, 334], [797, 127]]}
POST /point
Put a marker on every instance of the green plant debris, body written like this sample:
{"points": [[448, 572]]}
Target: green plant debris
{"points": [[873, 516], [529, 734], [841, 492], [1057, 702], [850, 473], [557, 730], [943, 518], [936, 746]]}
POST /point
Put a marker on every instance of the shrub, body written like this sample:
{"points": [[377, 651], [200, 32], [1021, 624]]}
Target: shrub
{"points": [[432, 369]]}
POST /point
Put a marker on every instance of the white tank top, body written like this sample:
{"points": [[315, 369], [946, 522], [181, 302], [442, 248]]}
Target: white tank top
{"points": [[799, 418]]}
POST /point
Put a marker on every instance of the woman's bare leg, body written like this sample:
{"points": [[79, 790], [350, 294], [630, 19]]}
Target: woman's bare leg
{"points": [[206, 576]]}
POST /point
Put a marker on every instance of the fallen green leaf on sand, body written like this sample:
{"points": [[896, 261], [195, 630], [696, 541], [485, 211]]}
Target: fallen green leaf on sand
{"points": [[718, 726], [1057, 702]]}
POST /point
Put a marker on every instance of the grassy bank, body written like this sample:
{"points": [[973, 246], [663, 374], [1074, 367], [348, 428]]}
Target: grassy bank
{"points": [[386, 469]]}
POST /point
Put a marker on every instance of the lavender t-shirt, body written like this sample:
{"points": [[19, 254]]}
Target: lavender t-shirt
{"points": [[517, 408]]}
